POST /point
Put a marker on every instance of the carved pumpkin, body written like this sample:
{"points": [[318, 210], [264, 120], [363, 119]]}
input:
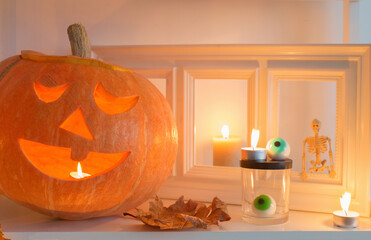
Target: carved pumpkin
{"points": [[58, 111]]}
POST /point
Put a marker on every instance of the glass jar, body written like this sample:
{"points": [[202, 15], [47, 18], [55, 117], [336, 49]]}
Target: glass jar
{"points": [[265, 191]]}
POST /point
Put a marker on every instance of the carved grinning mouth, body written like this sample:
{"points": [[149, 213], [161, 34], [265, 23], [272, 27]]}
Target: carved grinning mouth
{"points": [[56, 161]]}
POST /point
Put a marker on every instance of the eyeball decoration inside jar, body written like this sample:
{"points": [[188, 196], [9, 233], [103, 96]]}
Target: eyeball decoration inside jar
{"points": [[264, 205], [278, 149]]}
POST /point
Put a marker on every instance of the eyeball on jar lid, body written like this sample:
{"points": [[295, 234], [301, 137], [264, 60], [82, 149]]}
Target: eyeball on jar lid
{"points": [[278, 149], [264, 205]]}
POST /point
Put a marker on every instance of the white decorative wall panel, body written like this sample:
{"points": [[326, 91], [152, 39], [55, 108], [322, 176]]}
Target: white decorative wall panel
{"points": [[285, 88]]}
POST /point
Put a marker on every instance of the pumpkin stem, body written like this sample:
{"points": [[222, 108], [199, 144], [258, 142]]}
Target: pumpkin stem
{"points": [[79, 40]]}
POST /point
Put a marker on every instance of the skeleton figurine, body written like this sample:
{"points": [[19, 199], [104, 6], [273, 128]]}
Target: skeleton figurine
{"points": [[315, 146]]}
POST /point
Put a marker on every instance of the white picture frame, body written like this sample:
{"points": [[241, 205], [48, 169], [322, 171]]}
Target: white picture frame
{"points": [[263, 66]]}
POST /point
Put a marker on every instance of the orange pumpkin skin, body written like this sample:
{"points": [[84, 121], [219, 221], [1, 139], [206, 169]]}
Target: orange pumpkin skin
{"points": [[55, 110]]}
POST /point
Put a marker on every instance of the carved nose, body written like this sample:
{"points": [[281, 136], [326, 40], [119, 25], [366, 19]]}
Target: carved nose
{"points": [[76, 124]]}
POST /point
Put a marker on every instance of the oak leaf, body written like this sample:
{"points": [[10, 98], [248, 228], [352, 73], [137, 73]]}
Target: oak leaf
{"points": [[183, 214]]}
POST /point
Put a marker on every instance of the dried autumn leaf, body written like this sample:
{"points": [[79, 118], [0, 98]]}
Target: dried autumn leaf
{"points": [[182, 215], [218, 213]]}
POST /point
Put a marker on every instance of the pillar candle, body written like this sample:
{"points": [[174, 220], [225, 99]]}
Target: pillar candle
{"points": [[226, 149]]}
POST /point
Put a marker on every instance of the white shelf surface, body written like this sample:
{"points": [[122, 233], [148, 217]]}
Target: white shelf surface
{"points": [[21, 223]]}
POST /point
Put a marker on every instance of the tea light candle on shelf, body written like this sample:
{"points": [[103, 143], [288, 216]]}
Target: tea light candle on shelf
{"points": [[226, 149], [254, 153], [344, 218], [79, 174]]}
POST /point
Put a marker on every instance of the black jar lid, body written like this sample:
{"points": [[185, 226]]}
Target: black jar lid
{"points": [[269, 165]]}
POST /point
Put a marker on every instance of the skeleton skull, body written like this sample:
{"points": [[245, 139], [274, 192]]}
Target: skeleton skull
{"points": [[316, 125]]}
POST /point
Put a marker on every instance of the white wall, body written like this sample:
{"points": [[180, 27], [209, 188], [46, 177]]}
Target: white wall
{"points": [[7, 29], [219, 102], [365, 21], [41, 24], [303, 99]]}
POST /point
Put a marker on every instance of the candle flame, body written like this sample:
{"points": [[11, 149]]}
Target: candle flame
{"points": [[79, 174], [225, 131], [254, 137], [79, 170], [345, 202]]}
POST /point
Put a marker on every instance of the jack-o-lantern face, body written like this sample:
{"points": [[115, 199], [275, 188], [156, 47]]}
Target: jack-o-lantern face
{"points": [[60, 111], [57, 162]]}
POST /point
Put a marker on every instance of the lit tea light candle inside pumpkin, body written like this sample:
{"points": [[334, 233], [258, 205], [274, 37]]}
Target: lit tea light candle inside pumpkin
{"points": [[345, 218], [253, 152], [226, 149], [79, 174]]}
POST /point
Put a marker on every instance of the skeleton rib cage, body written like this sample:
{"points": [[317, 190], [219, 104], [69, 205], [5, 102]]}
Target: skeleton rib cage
{"points": [[319, 143]]}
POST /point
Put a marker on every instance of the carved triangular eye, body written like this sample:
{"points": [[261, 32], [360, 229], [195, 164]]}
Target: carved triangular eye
{"points": [[49, 94], [112, 104]]}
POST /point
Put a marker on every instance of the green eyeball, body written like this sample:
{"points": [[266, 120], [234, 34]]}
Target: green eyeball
{"points": [[278, 149], [264, 205]]}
